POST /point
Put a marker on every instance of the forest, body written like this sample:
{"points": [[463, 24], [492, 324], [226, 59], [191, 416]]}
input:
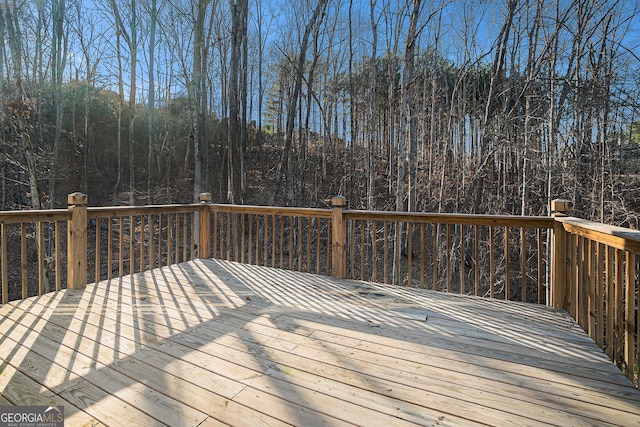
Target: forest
{"points": [[492, 107]]}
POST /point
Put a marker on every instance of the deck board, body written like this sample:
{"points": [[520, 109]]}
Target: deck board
{"points": [[211, 342]]}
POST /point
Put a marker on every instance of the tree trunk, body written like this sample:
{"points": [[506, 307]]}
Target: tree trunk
{"points": [[405, 133], [293, 100], [152, 97]]}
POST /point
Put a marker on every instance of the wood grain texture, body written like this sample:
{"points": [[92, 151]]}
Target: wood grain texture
{"points": [[210, 342]]}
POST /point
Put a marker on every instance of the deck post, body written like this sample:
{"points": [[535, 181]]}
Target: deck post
{"points": [[204, 226], [560, 294], [77, 242], [339, 238]]}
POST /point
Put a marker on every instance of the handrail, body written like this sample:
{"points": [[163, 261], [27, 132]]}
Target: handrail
{"points": [[18, 217], [617, 237], [117, 211], [271, 210], [453, 218]]}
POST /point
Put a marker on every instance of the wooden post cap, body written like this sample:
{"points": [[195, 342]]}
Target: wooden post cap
{"points": [[562, 206], [77, 198], [205, 197], [338, 201]]}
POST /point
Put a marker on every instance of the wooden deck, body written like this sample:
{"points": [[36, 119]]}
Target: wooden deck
{"points": [[218, 343]]}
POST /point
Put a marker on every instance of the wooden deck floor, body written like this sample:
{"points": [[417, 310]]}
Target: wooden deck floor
{"points": [[210, 343]]}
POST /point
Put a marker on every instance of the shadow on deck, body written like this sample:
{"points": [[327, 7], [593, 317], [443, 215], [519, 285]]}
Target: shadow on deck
{"points": [[212, 342]]}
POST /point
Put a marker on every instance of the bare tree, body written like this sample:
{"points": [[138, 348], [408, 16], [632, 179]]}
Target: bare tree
{"points": [[293, 99]]}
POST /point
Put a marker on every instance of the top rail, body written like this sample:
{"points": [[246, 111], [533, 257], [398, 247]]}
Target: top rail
{"points": [[117, 211], [18, 217], [616, 237], [453, 218], [272, 210]]}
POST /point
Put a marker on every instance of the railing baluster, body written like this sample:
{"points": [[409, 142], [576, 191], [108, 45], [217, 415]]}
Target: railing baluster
{"points": [[57, 255], [234, 237], [23, 258], [582, 284], [160, 240], [224, 238], [41, 263], [492, 264], [362, 249], [611, 310], [591, 283], [258, 235], [121, 247], [142, 237], [462, 275], [97, 261], [273, 240], [184, 237], [318, 238], [229, 217], [619, 322], [599, 300], [177, 240], [300, 244], [374, 257], [435, 255], [523, 264], [109, 248], [132, 241], [291, 232], [281, 241], [250, 243], [409, 254], [386, 249], [257, 248], [265, 238], [573, 275], [630, 315], [448, 257], [309, 224], [5, 281], [215, 233], [422, 255], [476, 257], [152, 242], [242, 232], [541, 299], [192, 244], [352, 246], [507, 266], [329, 245], [170, 232], [636, 356]]}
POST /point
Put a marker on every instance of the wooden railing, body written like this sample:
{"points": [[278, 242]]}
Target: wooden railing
{"points": [[32, 232], [495, 256], [290, 238], [134, 239], [589, 269], [595, 278]]}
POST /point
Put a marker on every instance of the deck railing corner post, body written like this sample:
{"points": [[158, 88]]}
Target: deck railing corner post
{"points": [[560, 294], [204, 226], [77, 242], [339, 238], [561, 207]]}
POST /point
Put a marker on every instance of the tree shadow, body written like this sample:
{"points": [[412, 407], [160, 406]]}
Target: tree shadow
{"points": [[215, 341]]}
